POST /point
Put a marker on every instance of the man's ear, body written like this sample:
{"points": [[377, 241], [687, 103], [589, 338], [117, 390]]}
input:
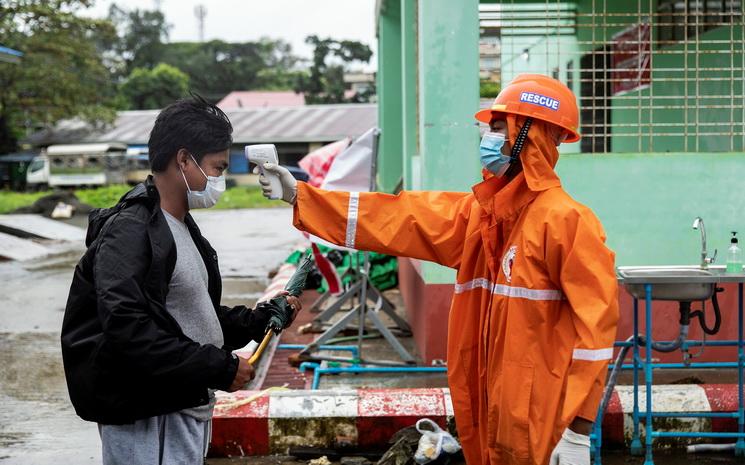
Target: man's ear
{"points": [[182, 158]]}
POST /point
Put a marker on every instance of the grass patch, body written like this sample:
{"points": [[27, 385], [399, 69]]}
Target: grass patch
{"points": [[102, 197], [107, 196], [246, 197], [9, 201]]}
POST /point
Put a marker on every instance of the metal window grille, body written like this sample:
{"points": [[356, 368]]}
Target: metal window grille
{"points": [[650, 75]]}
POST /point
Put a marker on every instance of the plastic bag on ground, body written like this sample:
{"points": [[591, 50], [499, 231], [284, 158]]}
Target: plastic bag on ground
{"points": [[433, 442]]}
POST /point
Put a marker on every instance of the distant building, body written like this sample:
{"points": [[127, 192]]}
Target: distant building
{"points": [[258, 99], [296, 130], [358, 83]]}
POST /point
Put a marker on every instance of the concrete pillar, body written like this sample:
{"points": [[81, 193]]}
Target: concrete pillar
{"points": [[410, 129], [390, 148], [448, 84]]}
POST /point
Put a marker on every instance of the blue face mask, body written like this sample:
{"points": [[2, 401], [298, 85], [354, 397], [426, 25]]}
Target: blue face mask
{"points": [[491, 153]]}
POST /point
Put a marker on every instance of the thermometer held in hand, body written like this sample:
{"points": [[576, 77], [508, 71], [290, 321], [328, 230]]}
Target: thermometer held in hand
{"points": [[260, 154]]}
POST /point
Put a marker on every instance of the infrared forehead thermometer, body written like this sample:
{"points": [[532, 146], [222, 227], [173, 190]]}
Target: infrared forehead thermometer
{"points": [[260, 154]]}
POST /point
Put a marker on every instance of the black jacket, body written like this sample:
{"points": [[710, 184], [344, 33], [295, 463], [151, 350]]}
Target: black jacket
{"points": [[125, 356]]}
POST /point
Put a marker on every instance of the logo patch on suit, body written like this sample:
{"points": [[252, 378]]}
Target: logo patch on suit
{"points": [[507, 261]]}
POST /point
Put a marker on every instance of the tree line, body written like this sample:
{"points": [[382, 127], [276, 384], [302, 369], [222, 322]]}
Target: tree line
{"points": [[76, 66]]}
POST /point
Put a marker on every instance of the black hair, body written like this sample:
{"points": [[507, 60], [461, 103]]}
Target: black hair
{"points": [[192, 124]]}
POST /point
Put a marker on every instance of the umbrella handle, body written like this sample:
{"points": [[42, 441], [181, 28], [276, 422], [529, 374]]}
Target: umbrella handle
{"points": [[256, 355]]}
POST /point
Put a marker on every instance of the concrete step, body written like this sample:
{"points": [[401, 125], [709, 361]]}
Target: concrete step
{"points": [[36, 226], [15, 248]]}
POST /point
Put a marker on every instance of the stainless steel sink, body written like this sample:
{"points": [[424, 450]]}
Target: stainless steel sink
{"points": [[676, 283]]}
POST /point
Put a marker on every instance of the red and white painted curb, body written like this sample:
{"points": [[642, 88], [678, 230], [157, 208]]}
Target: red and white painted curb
{"points": [[277, 420], [618, 422], [335, 418]]}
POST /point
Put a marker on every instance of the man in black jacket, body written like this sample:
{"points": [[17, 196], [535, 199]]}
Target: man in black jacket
{"points": [[145, 341]]}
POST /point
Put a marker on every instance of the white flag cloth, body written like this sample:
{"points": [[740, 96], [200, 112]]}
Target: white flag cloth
{"points": [[351, 170], [318, 162]]}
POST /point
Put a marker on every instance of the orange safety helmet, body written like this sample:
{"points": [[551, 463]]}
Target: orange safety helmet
{"points": [[539, 97]]}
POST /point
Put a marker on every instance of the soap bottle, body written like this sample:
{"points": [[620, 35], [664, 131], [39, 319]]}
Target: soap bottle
{"points": [[734, 256]]}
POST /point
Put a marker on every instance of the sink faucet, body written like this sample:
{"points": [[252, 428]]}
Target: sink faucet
{"points": [[698, 223]]}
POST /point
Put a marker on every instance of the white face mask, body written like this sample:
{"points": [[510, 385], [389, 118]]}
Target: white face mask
{"points": [[211, 193]]}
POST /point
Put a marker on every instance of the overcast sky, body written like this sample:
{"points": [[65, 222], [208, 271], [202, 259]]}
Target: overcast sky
{"points": [[246, 20]]}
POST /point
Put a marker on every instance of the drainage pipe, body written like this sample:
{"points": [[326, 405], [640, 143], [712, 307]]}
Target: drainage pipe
{"points": [[664, 346]]}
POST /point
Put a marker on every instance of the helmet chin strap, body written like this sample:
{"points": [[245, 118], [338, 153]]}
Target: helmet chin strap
{"points": [[517, 147]]}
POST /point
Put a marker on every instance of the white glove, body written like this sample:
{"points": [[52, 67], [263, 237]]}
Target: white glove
{"points": [[289, 184], [572, 449]]}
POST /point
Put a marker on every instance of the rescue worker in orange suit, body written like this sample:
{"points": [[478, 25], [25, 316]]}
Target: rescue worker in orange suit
{"points": [[534, 312]]}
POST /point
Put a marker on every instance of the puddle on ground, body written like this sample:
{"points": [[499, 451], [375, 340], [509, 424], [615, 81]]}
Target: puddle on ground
{"points": [[31, 367], [37, 421]]}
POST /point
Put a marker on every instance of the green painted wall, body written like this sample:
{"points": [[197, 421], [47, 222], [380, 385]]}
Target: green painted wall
{"points": [[390, 116], [409, 78], [428, 94], [647, 202], [448, 93], [428, 91]]}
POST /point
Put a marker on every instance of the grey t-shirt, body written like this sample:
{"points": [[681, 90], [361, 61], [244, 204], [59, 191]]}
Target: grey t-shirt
{"points": [[188, 301]]}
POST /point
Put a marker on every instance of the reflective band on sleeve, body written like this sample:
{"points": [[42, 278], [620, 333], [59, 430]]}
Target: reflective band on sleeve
{"points": [[352, 212], [473, 284], [593, 355], [509, 291], [525, 293]]}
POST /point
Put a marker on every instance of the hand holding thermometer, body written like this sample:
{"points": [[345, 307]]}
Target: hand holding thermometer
{"points": [[260, 154]]}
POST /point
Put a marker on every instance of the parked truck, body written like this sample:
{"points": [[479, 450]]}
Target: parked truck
{"points": [[78, 165]]}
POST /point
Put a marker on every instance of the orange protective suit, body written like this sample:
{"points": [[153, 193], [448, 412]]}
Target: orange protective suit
{"points": [[533, 318]]}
